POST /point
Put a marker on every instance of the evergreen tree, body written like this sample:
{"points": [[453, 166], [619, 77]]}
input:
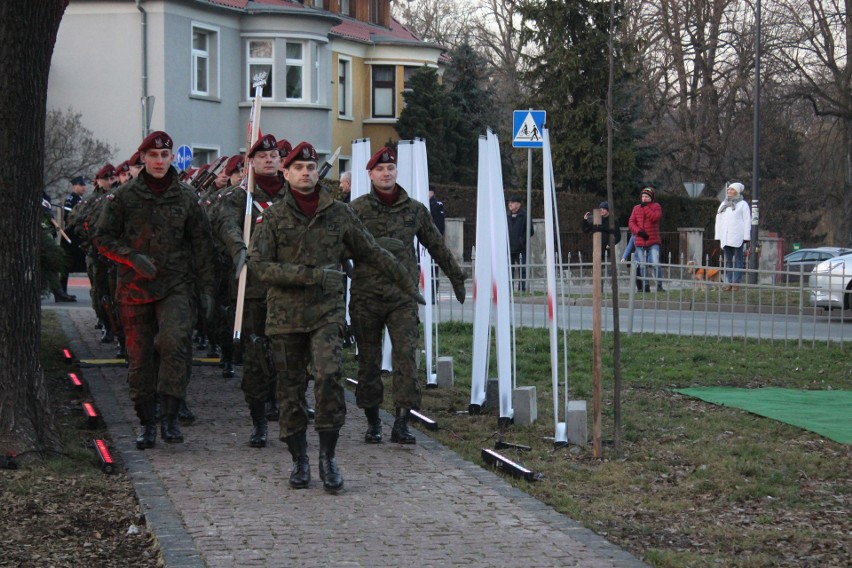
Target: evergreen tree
{"points": [[568, 76], [473, 98], [430, 114]]}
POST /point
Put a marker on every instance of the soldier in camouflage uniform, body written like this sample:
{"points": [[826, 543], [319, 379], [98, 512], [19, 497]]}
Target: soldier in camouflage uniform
{"points": [[394, 220], [258, 382], [297, 249], [155, 230], [82, 223]]}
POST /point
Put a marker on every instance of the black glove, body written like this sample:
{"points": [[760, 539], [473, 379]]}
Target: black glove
{"points": [[642, 235], [459, 291], [208, 304], [239, 262], [143, 265]]}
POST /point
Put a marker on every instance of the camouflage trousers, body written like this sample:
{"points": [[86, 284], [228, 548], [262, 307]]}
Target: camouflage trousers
{"points": [[369, 319], [159, 346], [298, 356], [98, 274], [258, 379]]}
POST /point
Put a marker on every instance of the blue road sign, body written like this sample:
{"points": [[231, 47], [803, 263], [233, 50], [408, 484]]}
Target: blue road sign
{"points": [[526, 130], [183, 158]]}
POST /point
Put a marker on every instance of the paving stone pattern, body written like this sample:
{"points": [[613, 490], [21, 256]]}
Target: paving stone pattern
{"points": [[214, 501]]}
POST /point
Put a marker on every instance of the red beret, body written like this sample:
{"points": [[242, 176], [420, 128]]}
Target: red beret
{"points": [[383, 156], [263, 144], [157, 140], [284, 147], [123, 167], [303, 152], [105, 172], [234, 163], [136, 159]]}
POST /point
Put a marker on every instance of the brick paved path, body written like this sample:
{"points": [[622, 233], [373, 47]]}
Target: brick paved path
{"points": [[214, 501]]}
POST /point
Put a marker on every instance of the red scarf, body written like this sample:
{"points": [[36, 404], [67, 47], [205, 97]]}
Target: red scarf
{"points": [[307, 203], [157, 186], [388, 198], [271, 185]]}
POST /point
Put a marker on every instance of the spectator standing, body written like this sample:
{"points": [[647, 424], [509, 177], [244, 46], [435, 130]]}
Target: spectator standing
{"points": [[733, 231], [645, 226], [517, 221]]}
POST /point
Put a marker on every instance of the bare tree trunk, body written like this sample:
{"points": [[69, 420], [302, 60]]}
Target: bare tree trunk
{"points": [[27, 35]]}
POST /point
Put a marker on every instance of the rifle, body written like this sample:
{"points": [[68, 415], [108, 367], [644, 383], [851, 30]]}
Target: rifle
{"points": [[326, 167], [259, 81], [211, 173]]}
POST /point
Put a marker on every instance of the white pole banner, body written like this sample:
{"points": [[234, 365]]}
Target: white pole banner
{"points": [[481, 284]]}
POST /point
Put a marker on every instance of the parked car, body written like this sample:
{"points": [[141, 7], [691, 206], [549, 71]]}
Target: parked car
{"points": [[831, 283], [803, 261]]}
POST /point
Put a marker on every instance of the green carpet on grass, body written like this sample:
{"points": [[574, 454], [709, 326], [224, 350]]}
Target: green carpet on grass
{"points": [[826, 412]]}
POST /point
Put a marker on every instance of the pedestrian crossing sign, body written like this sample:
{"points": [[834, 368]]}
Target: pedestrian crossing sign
{"points": [[526, 131]]}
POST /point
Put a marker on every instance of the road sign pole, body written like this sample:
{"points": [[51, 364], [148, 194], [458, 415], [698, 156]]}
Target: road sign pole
{"points": [[526, 267]]}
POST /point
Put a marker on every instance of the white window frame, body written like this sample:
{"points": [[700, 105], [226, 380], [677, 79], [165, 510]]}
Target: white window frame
{"points": [[373, 113], [290, 63], [346, 85], [345, 7], [198, 149], [269, 89], [210, 58]]}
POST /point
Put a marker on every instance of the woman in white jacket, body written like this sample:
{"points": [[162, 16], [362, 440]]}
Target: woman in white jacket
{"points": [[733, 231]]}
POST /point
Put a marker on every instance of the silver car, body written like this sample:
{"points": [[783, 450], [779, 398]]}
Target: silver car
{"points": [[802, 261], [831, 283]]}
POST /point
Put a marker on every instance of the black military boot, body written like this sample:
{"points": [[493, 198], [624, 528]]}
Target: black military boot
{"points": [[300, 475], [374, 426], [169, 430], [227, 368], [271, 409], [121, 350], [400, 433], [332, 480], [258, 419], [147, 437], [107, 336], [185, 415]]}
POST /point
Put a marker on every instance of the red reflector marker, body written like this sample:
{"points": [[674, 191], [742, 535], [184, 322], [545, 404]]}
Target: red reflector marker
{"points": [[91, 414], [107, 465], [75, 380], [66, 354]]}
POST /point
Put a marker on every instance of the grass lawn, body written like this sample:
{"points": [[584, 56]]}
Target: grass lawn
{"points": [[693, 484]]}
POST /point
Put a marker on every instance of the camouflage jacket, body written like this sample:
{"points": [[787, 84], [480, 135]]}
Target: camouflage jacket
{"points": [[227, 221], [171, 229], [83, 218], [403, 221], [289, 251]]}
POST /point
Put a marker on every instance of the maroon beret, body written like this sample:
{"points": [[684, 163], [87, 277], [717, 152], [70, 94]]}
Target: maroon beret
{"points": [[263, 144], [284, 147], [105, 172], [303, 152], [136, 159], [234, 163], [383, 156], [123, 167], [157, 140]]}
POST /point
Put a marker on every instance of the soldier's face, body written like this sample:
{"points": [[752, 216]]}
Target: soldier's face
{"points": [[237, 176], [136, 170], [123, 176], [157, 162], [106, 183], [383, 176], [302, 176], [266, 162]]}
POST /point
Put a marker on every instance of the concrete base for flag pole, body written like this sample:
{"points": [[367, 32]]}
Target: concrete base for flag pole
{"points": [[577, 429], [446, 376]]}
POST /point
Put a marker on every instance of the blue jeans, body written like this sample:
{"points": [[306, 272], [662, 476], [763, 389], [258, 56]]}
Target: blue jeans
{"points": [[649, 259], [734, 259]]}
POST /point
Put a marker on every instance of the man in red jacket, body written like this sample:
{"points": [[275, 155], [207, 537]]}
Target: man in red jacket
{"points": [[645, 226]]}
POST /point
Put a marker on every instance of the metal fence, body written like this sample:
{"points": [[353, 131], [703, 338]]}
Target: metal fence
{"points": [[694, 301]]}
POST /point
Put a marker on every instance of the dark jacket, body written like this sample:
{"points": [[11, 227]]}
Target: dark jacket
{"points": [[517, 231]]}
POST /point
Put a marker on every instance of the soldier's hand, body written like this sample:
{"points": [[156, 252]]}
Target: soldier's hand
{"points": [[208, 305], [143, 265], [390, 244], [332, 281], [459, 291], [239, 262]]}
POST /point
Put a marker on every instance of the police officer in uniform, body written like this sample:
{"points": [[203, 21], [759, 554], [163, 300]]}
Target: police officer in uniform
{"points": [[159, 236], [76, 256], [297, 249]]}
